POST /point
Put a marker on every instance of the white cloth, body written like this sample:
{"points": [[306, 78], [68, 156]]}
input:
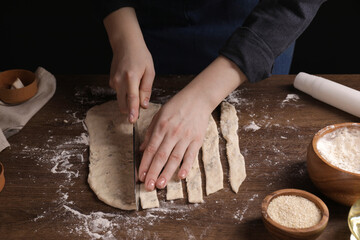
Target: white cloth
{"points": [[14, 117]]}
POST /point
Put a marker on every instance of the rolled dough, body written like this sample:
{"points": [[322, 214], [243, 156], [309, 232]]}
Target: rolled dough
{"points": [[193, 183], [229, 126], [148, 199], [111, 158], [211, 159], [174, 188]]}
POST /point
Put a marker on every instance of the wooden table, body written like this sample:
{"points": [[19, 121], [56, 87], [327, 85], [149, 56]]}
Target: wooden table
{"points": [[47, 196]]}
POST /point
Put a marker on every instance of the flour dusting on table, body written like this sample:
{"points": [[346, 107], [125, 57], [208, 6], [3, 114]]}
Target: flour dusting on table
{"points": [[236, 99], [252, 126], [63, 161], [95, 224], [240, 213], [289, 98]]}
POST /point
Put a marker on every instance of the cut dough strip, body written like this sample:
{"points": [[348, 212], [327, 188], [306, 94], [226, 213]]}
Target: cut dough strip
{"points": [[211, 159], [193, 184], [229, 126], [148, 199], [174, 188]]}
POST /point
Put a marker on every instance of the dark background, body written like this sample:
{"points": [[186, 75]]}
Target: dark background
{"points": [[68, 37]]}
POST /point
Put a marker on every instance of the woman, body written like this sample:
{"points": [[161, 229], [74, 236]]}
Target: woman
{"points": [[227, 41]]}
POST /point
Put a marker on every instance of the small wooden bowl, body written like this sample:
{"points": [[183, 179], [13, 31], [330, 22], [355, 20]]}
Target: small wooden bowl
{"points": [[338, 184], [2, 177], [279, 231], [16, 96]]}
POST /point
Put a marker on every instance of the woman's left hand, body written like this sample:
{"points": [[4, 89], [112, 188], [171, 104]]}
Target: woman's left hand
{"points": [[177, 131], [175, 134]]}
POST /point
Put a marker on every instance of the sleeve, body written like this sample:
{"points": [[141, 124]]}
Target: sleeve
{"points": [[108, 6], [271, 27]]}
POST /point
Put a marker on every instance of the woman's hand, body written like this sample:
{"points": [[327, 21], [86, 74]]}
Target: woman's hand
{"points": [[132, 75], [174, 135], [177, 131], [132, 70]]}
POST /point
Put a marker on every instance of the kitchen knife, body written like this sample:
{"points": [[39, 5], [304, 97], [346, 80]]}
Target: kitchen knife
{"points": [[136, 162]]}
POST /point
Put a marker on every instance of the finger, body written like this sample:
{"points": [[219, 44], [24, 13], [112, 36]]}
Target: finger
{"points": [[172, 165], [145, 87], [121, 99], [132, 96], [158, 163], [146, 138], [189, 157], [149, 153], [148, 133]]}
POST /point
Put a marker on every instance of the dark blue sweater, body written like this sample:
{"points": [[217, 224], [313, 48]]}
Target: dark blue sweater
{"points": [[249, 33]]}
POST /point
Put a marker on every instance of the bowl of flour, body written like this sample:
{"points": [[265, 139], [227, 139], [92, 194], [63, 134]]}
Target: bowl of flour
{"points": [[333, 162]]}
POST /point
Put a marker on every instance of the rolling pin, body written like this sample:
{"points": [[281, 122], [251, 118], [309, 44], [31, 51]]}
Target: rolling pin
{"points": [[332, 93]]}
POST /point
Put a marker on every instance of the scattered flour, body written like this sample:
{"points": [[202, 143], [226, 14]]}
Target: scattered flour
{"points": [[75, 119], [240, 213], [233, 98], [189, 234], [95, 224], [100, 225], [256, 195], [278, 151], [82, 139], [236, 99], [289, 98], [251, 127], [39, 216], [64, 161], [62, 165]]}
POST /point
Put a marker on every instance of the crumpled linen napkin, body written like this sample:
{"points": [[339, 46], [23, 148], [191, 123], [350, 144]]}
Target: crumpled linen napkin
{"points": [[14, 117]]}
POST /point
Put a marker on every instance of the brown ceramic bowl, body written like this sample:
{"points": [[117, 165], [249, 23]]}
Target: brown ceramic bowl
{"points": [[16, 96], [279, 231], [340, 185], [2, 177]]}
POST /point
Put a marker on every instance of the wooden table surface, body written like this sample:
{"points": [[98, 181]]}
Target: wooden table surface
{"points": [[47, 196]]}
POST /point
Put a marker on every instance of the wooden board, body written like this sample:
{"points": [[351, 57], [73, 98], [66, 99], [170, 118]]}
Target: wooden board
{"points": [[46, 195]]}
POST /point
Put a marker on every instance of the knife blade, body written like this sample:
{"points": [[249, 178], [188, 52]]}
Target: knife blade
{"points": [[136, 163]]}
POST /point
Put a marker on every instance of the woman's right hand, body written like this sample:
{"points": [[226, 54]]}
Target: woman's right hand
{"points": [[132, 69]]}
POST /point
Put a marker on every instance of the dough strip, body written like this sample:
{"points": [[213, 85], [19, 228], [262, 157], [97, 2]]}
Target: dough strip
{"points": [[211, 159], [174, 188], [229, 126], [193, 183]]}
